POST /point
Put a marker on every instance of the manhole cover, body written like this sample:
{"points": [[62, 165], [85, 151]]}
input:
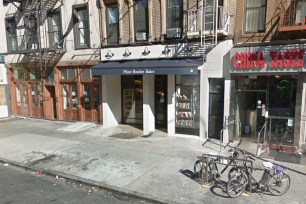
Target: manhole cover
{"points": [[124, 136]]}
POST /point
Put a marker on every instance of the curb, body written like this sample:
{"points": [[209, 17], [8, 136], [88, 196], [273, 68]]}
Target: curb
{"points": [[114, 189]]}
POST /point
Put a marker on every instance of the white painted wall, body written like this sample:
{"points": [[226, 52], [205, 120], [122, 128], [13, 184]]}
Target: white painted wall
{"points": [[148, 104], [111, 99], [212, 68], [171, 105], [3, 81]]}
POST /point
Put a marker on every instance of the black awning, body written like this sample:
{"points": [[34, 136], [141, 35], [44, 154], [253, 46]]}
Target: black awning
{"points": [[141, 67]]}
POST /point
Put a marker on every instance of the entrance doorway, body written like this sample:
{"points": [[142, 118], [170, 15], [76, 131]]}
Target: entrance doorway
{"points": [[251, 108], [70, 101], [50, 103], [216, 107], [161, 101]]}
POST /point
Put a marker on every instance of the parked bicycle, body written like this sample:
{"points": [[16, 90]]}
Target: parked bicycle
{"points": [[274, 179], [206, 168]]}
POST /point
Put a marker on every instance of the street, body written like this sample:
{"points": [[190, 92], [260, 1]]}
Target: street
{"points": [[21, 186]]}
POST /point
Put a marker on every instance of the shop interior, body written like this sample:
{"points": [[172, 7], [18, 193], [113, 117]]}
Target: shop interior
{"points": [[267, 98]]}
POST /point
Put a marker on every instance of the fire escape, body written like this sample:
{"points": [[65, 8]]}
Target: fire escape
{"points": [[209, 22], [292, 16], [31, 43]]}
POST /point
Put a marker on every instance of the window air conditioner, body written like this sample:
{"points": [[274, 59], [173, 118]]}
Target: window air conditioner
{"points": [[141, 36], [173, 33]]}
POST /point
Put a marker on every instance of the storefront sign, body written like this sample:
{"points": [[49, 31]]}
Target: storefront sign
{"points": [[273, 59], [138, 71]]}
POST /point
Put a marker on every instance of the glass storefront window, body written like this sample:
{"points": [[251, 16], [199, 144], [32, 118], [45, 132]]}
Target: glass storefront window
{"points": [[70, 97], [2, 95], [21, 94], [96, 97], [87, 98], [187, 104], [132, 99]]}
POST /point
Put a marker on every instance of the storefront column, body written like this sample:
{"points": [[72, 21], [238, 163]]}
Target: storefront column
{"points": [[300, 139], [171, 105], [111, 99], [148, 104], [227, 103], [204, 101]]}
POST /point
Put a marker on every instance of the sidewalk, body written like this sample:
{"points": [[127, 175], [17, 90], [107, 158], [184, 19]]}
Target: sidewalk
{"points": [[119, 158]]}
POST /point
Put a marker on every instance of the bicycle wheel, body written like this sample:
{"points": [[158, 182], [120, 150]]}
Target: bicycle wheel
{"points": [[200, 170], [236, 185], [278, 184], [234, 170]]}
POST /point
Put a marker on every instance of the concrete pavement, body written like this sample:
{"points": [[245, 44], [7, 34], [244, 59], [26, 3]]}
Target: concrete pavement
{"points": [[120, 158]]}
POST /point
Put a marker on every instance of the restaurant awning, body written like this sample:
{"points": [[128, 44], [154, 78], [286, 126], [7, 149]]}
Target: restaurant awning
{"points": [[147, 66]]}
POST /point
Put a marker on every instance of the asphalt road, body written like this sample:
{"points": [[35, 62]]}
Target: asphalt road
{"points": [[21, 186]]}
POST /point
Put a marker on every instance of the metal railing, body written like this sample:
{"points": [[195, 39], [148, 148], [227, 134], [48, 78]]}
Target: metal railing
{"points": [[259, 146], [221, 132]]}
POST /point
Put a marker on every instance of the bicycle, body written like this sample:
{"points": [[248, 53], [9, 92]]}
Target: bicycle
{"points": [[206, 166], [274, 179]]}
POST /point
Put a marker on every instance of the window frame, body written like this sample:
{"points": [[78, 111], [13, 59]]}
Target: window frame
{"points": [[108, 23], [264, 19], [171, 24], [146, 16], [51, 31], [11, 37], [76, 28]]}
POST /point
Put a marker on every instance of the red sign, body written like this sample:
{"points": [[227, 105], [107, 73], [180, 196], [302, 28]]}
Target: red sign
{"points": [[276, 59]]}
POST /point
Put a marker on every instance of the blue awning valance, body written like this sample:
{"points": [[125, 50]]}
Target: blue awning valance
{"points": [[141, 67]]}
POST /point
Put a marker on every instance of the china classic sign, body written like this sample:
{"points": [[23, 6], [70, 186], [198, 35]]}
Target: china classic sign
{"points": [[274, 59]]}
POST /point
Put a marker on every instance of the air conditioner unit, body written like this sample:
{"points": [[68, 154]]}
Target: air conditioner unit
{"points": [[173, 33], [141, 36]]}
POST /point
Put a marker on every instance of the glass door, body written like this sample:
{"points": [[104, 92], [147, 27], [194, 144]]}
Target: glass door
{"points": [[161, 100], [70, 101], [132, 99]]}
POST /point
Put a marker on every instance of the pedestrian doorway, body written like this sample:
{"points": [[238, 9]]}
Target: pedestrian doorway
{"points": [[50, 102], [216, 107], [161, 101]]}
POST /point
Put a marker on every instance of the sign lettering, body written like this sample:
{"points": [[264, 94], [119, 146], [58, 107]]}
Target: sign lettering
{"points": [[275, 59]]}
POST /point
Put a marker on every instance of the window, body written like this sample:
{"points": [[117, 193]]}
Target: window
{"points": [[30, 23], [34, 74], [300, 18], [81, 27], [255, 15], [112, 24], [55, 29], [141, 19], [19, 74], [11, 34], [175, 13], [68, 74], [36, 97], [86, 74]]}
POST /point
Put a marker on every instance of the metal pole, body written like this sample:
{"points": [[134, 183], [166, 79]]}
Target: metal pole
{"points": [[40, 60]]}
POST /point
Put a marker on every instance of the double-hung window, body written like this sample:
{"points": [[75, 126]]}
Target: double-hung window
{"points": [[112, 24], [255, 15], [300, 17], [11, 34], [174, 18], [55, 29], [81, 27], [141, 20]]}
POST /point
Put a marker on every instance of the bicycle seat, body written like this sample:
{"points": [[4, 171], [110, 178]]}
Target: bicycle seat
{"points": [[267, 165]]}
